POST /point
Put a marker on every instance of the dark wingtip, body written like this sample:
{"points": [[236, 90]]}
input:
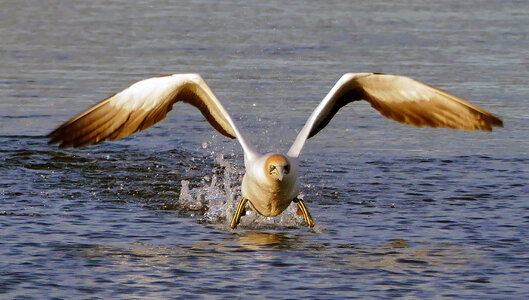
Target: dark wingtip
{"points": [[52, 138], [498, 122], [494, 121], [56, 137]]}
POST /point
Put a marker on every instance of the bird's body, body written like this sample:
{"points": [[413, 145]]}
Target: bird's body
{"points": [[258, 184], [270, 183]]}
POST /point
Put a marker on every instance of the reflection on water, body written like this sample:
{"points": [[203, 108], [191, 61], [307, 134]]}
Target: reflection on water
{"points": [[143, 264], [399, 255], [255, 240]]}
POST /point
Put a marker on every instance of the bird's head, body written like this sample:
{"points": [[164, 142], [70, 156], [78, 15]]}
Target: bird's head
{"points": [[277, 167]]}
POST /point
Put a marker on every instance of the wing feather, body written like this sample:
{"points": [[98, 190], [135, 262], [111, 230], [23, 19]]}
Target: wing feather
{"points": [[140, 106], [414, 103], [399, 98]]}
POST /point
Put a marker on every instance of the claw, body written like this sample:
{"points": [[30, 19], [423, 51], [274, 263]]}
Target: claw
{"points": [[305, 212], [239, 212]]}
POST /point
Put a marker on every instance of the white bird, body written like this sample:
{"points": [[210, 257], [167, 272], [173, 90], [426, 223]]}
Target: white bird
{"points": [[270, 183]]}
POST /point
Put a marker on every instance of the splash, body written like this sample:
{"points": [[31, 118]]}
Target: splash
{"points": [[216, 197]]}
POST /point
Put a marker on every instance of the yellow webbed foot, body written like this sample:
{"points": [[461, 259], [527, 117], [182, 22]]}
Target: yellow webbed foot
{"points": [[239, 212], [302, 210]]}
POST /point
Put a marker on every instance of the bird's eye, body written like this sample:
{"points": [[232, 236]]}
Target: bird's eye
{"points": [[272, 168], [287, 169]]}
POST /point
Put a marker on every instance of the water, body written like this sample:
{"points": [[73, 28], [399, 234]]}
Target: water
{"points": [[399, 211]]}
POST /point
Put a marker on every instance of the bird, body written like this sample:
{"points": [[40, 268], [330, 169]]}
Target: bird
{"points": [[271, 181]]}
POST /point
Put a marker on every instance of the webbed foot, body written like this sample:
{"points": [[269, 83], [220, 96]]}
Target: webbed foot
{"points": [[302, 210], [241, 211]]}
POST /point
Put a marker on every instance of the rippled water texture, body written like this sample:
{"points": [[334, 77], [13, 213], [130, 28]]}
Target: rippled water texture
{"points": [[399, 211]]}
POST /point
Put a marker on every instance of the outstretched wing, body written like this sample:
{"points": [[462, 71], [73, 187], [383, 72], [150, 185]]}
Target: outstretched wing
{"points": [[398, 98], [140, 106]]}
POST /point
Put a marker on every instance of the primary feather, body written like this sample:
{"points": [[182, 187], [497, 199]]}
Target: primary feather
{"points": [[398, 98]]}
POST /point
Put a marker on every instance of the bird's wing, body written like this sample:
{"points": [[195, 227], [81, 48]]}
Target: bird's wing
{"points": [[140, 106], [398, 98]]}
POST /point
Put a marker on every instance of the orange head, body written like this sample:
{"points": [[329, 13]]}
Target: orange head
{"points": [[277, 166]]}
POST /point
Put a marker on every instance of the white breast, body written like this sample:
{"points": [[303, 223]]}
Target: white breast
{"points": [[269, 197]]}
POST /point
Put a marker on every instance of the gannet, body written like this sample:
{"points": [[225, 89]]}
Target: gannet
{"points": [[271, 181]]}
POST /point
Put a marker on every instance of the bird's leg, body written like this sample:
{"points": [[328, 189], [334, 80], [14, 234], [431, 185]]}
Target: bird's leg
{"points": [[302, 209], [241, 211]]}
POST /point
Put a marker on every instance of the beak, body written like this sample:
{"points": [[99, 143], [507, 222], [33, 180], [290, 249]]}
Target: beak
{"points": [[280, 175]]}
